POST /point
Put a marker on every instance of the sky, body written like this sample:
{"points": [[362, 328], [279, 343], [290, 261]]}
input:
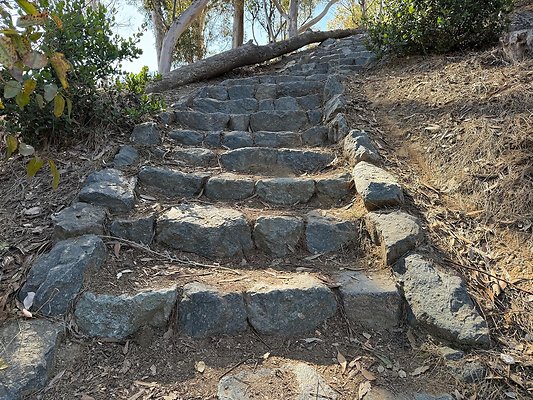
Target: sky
{"points": [[130, 19]]}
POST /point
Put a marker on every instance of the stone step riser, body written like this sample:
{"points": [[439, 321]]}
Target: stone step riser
{"points": [[252, 105], [228, 187], [302, 304], [316, 136]]}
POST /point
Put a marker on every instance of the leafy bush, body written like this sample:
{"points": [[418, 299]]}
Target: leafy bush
{"points": [[437, 26], [84, 36]]}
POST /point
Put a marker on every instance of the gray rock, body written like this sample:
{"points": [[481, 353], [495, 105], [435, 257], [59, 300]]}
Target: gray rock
{"points": [[278, 235], [249, 160], [358, 147], [285, 191], [213, 92], [334, 106], [126, 157], [449, 353], [253, 80], [471, 372], [205, 311], [195, 157], [28, 349], [173, 183], [266, 92], [205, 230], [277, 121], [187, 137], [315, 136], [139, 230], [333, 87], [286, 103], [117, 317], [314, 117], [239, 122], [236, 140], [440, 303], [304, 160], [371, 301], [240, 106], [278, 139], [337, 128], [57, 277], [166, 117], [297, 306], [266, 105], [213, 139], [146, 134], [309, 102], [241, 92], [300, 88], [202, 121], [229, 187], [334, 188], [377, 187], [396, 232], [79, 219], [325, 233], [311, 385], [109, 188]]}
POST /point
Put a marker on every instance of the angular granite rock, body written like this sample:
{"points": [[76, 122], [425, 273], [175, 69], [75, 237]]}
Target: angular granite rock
{"points": [[377, 187], [119, 316], [370, 301], [173, 183], [337, 128], [334, 188], [28, 351], [276, 121], [126, 157], [205, 311], [202, 121], [109, 188], [358, 147], [195, 157], [326, 233], [396, 232], [278, 235], [277, 139], [285, 191], [229, 187], [186, 137], [440, 302], [146, 134], [205, 230], [77, 220], [139, 230], [57, 277], [296, 306]]}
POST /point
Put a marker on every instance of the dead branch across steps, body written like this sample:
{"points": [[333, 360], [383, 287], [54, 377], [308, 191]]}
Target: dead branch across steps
{"points": [[249, 54]]}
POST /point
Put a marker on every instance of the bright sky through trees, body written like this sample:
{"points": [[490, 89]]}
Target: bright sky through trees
{"points": [[130, 19]]}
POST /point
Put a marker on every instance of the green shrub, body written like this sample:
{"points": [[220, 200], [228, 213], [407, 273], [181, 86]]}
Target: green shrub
{"points": [[437, 26]]}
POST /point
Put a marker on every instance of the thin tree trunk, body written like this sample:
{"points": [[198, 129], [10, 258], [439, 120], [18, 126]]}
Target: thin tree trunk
{"points": [[248, 54], [238, 23], [158, 32], [310, 23], [293, 18], [177, 28]]}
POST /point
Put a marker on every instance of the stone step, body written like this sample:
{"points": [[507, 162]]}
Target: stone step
{"points": [[296, 304], [269, 120], [221, 233], [315, 136], [173, 183], [275, 162]]}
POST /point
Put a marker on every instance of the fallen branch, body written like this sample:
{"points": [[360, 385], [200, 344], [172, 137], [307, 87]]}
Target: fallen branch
{"points": [[248, 54]]}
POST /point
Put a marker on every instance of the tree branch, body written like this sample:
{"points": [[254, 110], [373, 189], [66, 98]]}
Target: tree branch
{"points": [[281, 10], [309, 24]]}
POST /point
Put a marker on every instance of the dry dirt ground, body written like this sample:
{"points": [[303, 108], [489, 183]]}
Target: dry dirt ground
{"points": [[457, 132]]}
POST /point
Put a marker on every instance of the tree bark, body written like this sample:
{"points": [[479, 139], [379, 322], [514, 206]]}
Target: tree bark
{"points": [[310, 23], [293, 18], [238, 23], [248, 54], [177, 28]]}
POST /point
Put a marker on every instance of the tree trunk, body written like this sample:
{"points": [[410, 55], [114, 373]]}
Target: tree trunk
{"points": [[238, 23], [177, 28], [310, 23], [248, 54], [293, 18], [159, 32]]}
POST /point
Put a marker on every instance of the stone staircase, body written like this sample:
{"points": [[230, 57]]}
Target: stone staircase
{"points": [[241, 175]]}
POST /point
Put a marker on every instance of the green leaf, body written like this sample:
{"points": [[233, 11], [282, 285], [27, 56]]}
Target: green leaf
{"points": [[11, 89], [26, 149], [27, 6], [39, 100], [29, 86], [12, 145], [55, 174], [35, 36], [50, 92], [59, 105], [34, 166], [22, 99]]}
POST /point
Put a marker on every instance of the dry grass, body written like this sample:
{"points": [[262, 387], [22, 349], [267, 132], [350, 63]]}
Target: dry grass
{"points": [[457, 131]]}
